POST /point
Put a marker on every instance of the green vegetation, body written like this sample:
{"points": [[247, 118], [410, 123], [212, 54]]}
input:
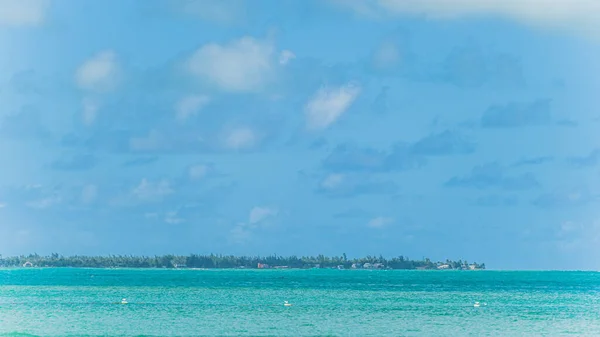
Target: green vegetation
{"points": [[221, 261]]}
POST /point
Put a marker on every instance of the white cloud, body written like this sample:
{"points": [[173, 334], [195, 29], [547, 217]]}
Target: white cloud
{"points": [[98, 73], [579, 15], [89, 193], [18, 13], [241, 138], [240, 234], [286, 56], [380, 222], [90, 110], [189, 106], [199, 171], [387, 55], [328, 104], [244, 231], [151, 215], [332, 181], [173, 218], [258, 214], [152, 190], [45, 202], [243, 65]]}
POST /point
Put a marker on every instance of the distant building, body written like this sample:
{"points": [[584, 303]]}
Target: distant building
{"points": [[263, 266], [472, 267], [443, 266], [355, 266], [367, 266], [27, 264], [378, 266], [340, 266]]}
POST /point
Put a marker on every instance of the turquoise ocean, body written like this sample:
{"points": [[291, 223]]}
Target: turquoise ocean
{"points": [[85, 302]]}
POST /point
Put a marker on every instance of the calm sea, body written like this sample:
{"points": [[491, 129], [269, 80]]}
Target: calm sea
{"points": [[85, 302]]}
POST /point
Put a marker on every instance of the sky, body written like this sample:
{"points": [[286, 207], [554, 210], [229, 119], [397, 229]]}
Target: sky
{"points": [[456, 129]]}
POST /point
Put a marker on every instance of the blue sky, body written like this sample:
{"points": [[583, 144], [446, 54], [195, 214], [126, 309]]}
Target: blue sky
{"points": [[449, 129]]}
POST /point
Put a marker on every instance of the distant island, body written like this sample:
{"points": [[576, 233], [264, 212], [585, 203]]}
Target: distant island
{"points": [[233, 262]]}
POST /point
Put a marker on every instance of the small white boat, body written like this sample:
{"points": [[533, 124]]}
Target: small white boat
{"points": [[124, 301], [476, 305], [286, 304]]}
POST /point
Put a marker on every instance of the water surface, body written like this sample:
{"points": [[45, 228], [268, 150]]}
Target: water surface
{"points": [[85, 302]]}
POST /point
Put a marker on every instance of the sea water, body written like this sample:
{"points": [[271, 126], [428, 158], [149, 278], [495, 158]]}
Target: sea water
{"points": [[86, 302]]}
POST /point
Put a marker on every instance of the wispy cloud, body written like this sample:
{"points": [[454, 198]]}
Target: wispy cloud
{"points": [[517, 115], [579, 16], [533, 161], [77, 162], [328, 105], [23, 13], [149, 190], [338, 185], [493, 175], [380, 222], [349, 157], [565, 198], [589, 160]]}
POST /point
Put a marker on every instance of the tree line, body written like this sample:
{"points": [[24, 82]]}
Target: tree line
{"points": [[229, 261]]}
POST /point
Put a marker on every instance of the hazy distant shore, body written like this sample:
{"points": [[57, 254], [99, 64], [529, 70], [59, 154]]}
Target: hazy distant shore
{"points": [[194, 261]]}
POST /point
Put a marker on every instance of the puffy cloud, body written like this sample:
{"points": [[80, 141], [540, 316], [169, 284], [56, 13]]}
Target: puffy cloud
{"points": [[241, 138], [329, 104], [99, 73], [243, 65], [19, 13], [258, 214], [190, 105], [243, 232]]}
